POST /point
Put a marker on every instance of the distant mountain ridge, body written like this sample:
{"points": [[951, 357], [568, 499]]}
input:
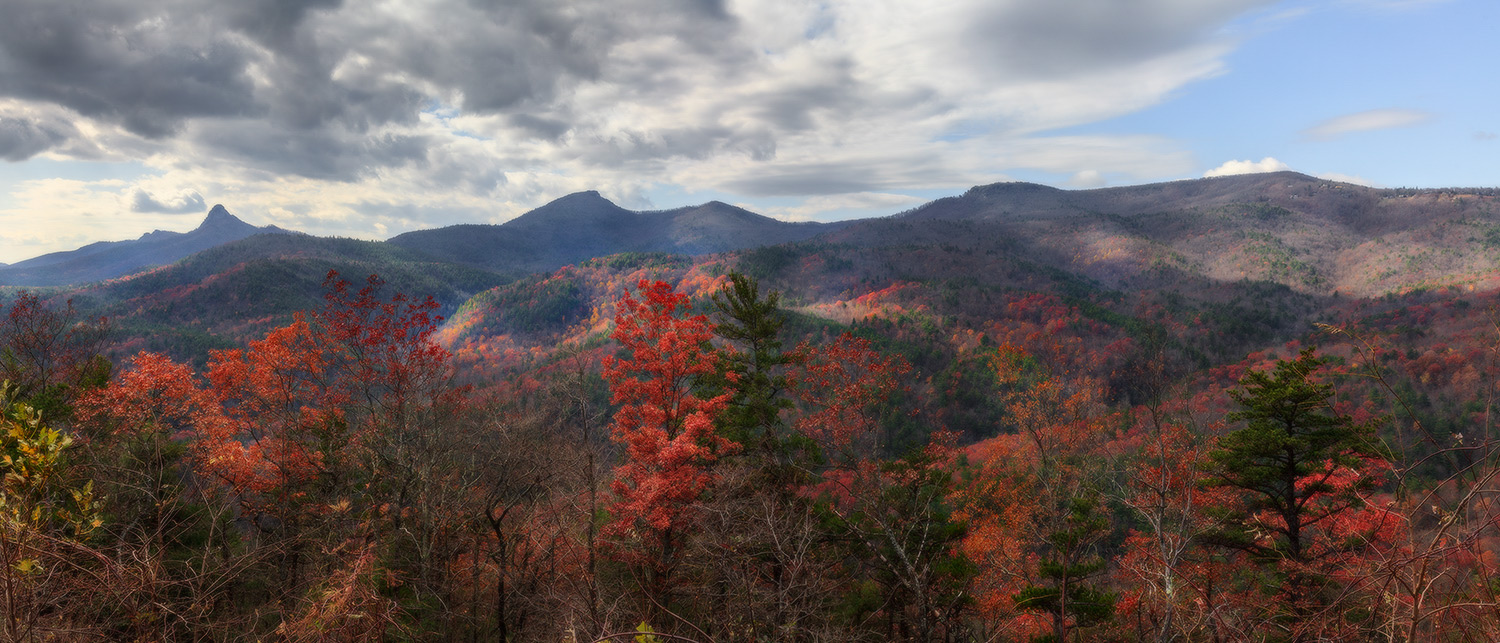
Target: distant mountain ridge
{"points": [[1312, 235], [110, 259], [584, 225], [1207, 242]]}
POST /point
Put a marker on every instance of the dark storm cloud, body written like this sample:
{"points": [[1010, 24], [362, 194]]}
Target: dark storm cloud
{"points": [[794, 108], [121, 62], [23, 138], [308, 86], [185, 204], [336, 89], [1045, 39], [519, 55], [272, 22], [546, 128]]}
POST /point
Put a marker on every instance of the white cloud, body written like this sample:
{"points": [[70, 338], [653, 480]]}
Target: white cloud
{"points": [[1229, 168], [1367, 121], [77, 212], [1087, 179]]}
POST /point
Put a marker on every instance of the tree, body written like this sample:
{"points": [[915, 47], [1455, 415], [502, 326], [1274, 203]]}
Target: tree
{"points": [[1037, 530], [752, 322], [1163, 563], [667, 428], [50, 355], [340, 426], [142, 448], [757, 551], [1300, 467], [1069, 562], [900, 526], [893, 516], [44, 518]]}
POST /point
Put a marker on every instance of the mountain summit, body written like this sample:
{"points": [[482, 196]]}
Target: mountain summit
{"points": [[219, 219], [110, 259], [583, 225]]}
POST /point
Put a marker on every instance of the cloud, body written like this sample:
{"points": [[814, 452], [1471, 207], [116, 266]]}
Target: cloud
{"points": [[120, 62], [1060, 39], [1264, 165], [1484, 136], [181, 204], [448, 104], [1367, 121], [1087, 179], [22, 138]]}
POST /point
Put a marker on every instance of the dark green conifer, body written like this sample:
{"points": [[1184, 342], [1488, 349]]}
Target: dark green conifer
{"points": [[1287, 459]]}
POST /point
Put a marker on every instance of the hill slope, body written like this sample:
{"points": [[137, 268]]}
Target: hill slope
{"points": [[1313, 235], [238, 290]]}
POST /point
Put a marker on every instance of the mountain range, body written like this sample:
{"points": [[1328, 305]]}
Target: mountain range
{"points": [[570, 229], [585, 225], [110, 259], [1262, 254]]}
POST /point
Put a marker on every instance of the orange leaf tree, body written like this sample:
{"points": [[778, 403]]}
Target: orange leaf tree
{"points": [[336, 420]]}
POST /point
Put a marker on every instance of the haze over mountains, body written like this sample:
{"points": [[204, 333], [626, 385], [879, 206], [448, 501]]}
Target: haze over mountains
{"points": [[1310, 234], [1322, 227]]}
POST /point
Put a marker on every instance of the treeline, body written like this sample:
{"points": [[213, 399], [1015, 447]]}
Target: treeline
{"points": [[702, 478]]}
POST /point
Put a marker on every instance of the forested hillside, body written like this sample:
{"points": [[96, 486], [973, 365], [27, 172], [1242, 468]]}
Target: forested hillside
{"points": [[1251, 408]]}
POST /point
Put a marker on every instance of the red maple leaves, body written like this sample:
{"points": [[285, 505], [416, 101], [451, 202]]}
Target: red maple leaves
{"points": [[269, 419], [667, 427]]}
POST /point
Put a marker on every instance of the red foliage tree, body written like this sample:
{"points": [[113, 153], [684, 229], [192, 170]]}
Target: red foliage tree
{"points": [[666, 426], [841, 386], [332, 421], [1035, 524]]}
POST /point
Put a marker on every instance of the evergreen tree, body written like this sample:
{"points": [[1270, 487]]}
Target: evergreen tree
{"points": [[1298, 464], [1068, 597], [754, 373]]}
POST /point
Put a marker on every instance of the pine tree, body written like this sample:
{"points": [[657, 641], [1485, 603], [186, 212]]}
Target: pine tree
{"points": [[755, 375], [1299, 466]]}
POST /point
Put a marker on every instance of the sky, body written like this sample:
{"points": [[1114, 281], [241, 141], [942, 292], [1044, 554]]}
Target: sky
{"points": [[367, 119]]}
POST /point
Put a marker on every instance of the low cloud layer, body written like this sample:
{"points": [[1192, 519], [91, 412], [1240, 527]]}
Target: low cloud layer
{"points": [[1230, 168]]}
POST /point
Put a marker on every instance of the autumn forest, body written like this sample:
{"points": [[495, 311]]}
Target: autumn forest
{"points": [[1221, 410]]}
